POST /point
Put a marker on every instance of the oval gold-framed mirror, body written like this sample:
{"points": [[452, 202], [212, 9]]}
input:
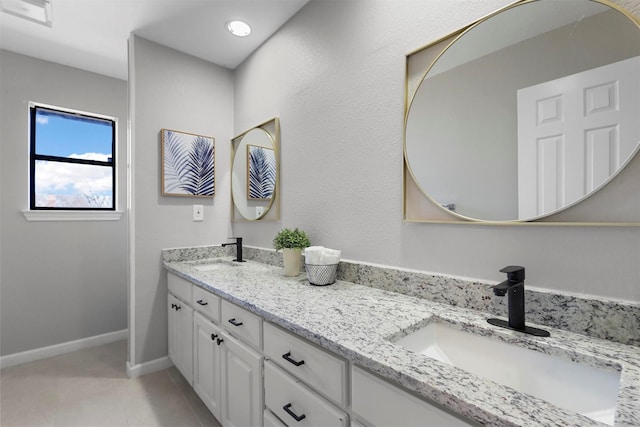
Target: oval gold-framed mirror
{"points": [[255, 166], [475, 98]]}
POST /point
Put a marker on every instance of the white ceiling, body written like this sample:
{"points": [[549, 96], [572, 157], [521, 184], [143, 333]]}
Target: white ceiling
{"points": [[92, 34]]}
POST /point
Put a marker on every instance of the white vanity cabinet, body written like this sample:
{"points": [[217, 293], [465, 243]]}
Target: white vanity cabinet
{"points": [[297, 405], [317, 368], [206, 347], [180, 325], [271, 420], [207, 337], [302, 380], [206, 303], [241, 367], [250, 373], [242, 386], [241, 323], [207, 378], [382, 404]]}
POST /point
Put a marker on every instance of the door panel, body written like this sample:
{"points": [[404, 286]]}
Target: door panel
{"points": [[596, 114], [241, 384], [206, 363]]}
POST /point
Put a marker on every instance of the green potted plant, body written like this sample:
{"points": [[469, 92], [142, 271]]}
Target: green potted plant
{"points": [[291, 242]]}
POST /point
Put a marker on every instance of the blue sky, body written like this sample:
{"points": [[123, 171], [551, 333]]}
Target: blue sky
{"points": [[63, 135]]}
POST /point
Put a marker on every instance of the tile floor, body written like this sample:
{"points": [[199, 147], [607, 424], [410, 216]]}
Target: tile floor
{"points": [[90, 388]]}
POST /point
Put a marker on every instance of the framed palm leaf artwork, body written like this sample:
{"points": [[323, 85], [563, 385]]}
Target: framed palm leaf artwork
{"points": [[261, 172], [188, 164]]}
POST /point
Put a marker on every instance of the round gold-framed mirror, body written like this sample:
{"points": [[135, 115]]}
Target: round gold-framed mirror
{"points": [[470, 143], [255, 172]]}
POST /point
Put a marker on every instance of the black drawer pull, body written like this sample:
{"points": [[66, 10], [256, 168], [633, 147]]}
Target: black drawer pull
{"points": [[173, 306], [234, 322], [202, 302], [298, 418], [178, 307], [288, 358], [219, 341], [213, 337]]}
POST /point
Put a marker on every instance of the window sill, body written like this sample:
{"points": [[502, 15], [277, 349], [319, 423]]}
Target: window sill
{"points": [[72, 215]]}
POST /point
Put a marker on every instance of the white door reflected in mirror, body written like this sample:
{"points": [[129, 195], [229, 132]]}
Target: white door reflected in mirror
{"points": [[574, 133]]}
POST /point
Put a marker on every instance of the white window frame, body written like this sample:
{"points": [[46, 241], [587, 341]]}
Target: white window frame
{"points": [[72, 214]]}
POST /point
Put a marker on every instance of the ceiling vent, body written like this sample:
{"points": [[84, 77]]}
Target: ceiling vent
{"points": [[32, 10]]}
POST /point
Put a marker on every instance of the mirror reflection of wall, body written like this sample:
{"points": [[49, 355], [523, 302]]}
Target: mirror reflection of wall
{"points": [[461, 140], [254, 173]]}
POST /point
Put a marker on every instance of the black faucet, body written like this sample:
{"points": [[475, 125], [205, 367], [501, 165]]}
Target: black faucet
{"points": [[238, 244], [514, 286]]}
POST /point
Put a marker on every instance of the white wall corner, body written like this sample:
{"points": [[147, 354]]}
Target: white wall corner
{"points": [[145, 368]]}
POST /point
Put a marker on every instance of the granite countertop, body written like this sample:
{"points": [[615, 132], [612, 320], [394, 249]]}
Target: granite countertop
{"points": [[360, 323]]}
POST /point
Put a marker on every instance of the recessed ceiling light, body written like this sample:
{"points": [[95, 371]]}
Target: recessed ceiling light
{"points": [[239, 28], [33, 10]]}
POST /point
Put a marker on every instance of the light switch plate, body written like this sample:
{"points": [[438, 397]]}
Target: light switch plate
{"points": [[259, 211], [198, 212]]}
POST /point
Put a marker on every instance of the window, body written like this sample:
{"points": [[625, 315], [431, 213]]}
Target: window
{"points": [[72, 161]]}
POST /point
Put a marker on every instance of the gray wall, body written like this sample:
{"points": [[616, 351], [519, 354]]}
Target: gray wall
{"points": [[59, 281], [339, 95], [171, 90]]}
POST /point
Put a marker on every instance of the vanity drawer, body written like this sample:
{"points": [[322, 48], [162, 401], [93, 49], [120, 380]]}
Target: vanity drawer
{"points": [[382, 404], [179, 287], [241, 323], [270, 420], [319, 369], [297, 405], [206, 303]]}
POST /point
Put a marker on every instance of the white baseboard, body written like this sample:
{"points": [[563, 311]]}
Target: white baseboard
{"points": [[148, 367], [66, 347]]}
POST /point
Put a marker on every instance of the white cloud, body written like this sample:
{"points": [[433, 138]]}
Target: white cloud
{"points": [[91, 156], [56, 177], [43, 120]]}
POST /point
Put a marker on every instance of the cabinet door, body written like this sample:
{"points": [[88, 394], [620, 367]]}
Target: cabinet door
{"points": [[172, 317], [206, 363], [180, 319], [241, 384]]}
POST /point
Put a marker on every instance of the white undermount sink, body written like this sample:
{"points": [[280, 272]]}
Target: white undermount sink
{"points": [[215, 264], [589, 391]]}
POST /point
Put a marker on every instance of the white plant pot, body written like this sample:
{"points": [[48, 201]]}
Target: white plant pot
{"points": [[292, 259]]}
